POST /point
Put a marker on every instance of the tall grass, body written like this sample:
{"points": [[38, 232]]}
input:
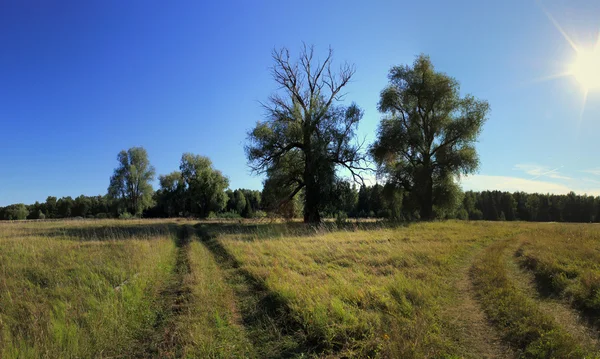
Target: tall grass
{"points": [[366, 293], [61, 297], [566, 262], [522, 323]]}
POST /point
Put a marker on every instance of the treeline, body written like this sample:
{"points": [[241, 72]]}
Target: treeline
{"points": [[500, 206], [377, 201], [240, 203]]}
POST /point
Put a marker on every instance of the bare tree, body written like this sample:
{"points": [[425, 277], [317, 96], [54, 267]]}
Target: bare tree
{"points": [[307, 133]]}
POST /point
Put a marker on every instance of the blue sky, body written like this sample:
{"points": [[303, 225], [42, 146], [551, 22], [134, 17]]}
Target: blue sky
{"points": [[82, 80]]}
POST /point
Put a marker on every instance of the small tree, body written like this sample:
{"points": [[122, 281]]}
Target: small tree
{"points": [[427, 137], [130, 184], [307, 133]]}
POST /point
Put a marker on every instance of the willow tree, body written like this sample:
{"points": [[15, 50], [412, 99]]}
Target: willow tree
{"points": [[427, 137], [308, 134], [130, 184]]}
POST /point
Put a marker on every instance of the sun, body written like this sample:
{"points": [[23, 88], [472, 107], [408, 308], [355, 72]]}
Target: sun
{"points": [[586, 69]]}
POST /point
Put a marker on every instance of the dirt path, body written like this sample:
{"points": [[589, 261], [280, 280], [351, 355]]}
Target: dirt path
{"points": [[477, 337]]}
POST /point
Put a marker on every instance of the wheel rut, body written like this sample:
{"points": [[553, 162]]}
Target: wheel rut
{"points": [[266, 317], [165, 340], [477, 337]]}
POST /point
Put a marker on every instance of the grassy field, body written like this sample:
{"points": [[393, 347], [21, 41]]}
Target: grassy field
{"points": [[189, 289]]}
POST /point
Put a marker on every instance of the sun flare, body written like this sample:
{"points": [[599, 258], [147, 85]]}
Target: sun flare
{"points": [[586, 69]]}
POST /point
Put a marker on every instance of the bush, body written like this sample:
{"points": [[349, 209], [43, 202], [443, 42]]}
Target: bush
{"points": [[101, 216], [125, 215], [259, 214], [462, 214], [341, 218], [228, 215]]}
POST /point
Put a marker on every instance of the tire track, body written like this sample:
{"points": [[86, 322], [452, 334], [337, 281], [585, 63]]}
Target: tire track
{"points": [[267, 318]]}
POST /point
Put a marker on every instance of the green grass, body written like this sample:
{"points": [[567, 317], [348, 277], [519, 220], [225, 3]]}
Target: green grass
{"points": [[566, 262], [367, 293], [211, 324], [66, 298], [533, 332]]}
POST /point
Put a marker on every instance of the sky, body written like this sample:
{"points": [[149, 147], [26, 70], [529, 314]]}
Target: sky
{"points": [[82, 80]]}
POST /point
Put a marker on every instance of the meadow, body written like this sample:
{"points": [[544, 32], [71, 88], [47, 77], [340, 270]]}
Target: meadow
{"points": [[208, 289]]}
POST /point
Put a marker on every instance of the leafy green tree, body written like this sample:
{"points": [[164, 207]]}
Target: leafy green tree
{"points": [[64, 207], [51, 207], [363, 205], [15, 212], [171, 195], [130, 184], [204, 186], [307, 134], [427, 137], [81, 206], [240, 201]]}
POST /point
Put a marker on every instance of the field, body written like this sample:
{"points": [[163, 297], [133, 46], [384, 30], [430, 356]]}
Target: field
{"points": [[199, 289]]}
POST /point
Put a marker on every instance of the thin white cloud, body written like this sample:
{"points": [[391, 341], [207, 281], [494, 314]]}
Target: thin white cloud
{"points": [[515, 184], [538, 171], [594, 171]]}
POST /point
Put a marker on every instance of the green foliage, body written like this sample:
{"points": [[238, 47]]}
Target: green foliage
{"points": [[496, 206], [204, 185], [170, 198], [130, 184], [15, 212], [428, 135]]}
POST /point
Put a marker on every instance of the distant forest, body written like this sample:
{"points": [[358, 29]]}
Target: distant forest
{"points": [[364, 202]]}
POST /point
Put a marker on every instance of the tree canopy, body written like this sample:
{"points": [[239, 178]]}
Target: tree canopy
{"points": [[204, 186], [427, 136], [130, 184]]}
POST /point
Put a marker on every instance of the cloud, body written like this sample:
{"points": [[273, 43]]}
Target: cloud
{"points": [[594, 171], [515, 184], [538, 171]]}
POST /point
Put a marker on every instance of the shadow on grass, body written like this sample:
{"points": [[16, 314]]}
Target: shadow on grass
{"points": [[266, 231], [115, 232], [266, 315]]}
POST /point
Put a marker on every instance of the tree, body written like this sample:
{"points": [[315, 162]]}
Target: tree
{"points": [[170, 196], [64, 207], [130, 184], [15, 212], [240, 201], [203, 185], [51, 207], [81, 206], [427, 137], [307, 134]]}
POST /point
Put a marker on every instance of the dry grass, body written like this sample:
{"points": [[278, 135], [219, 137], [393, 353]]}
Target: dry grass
{"points": [[151, 288], [368, 293]]}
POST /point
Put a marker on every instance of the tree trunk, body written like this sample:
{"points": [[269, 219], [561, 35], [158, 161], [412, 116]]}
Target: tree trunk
{"points": [[426, 211], [311, 205], [312, 191]]}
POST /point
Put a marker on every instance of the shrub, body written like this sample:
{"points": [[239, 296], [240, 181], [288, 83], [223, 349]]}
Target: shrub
{"points": [[101, 216], [125, 215]]}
